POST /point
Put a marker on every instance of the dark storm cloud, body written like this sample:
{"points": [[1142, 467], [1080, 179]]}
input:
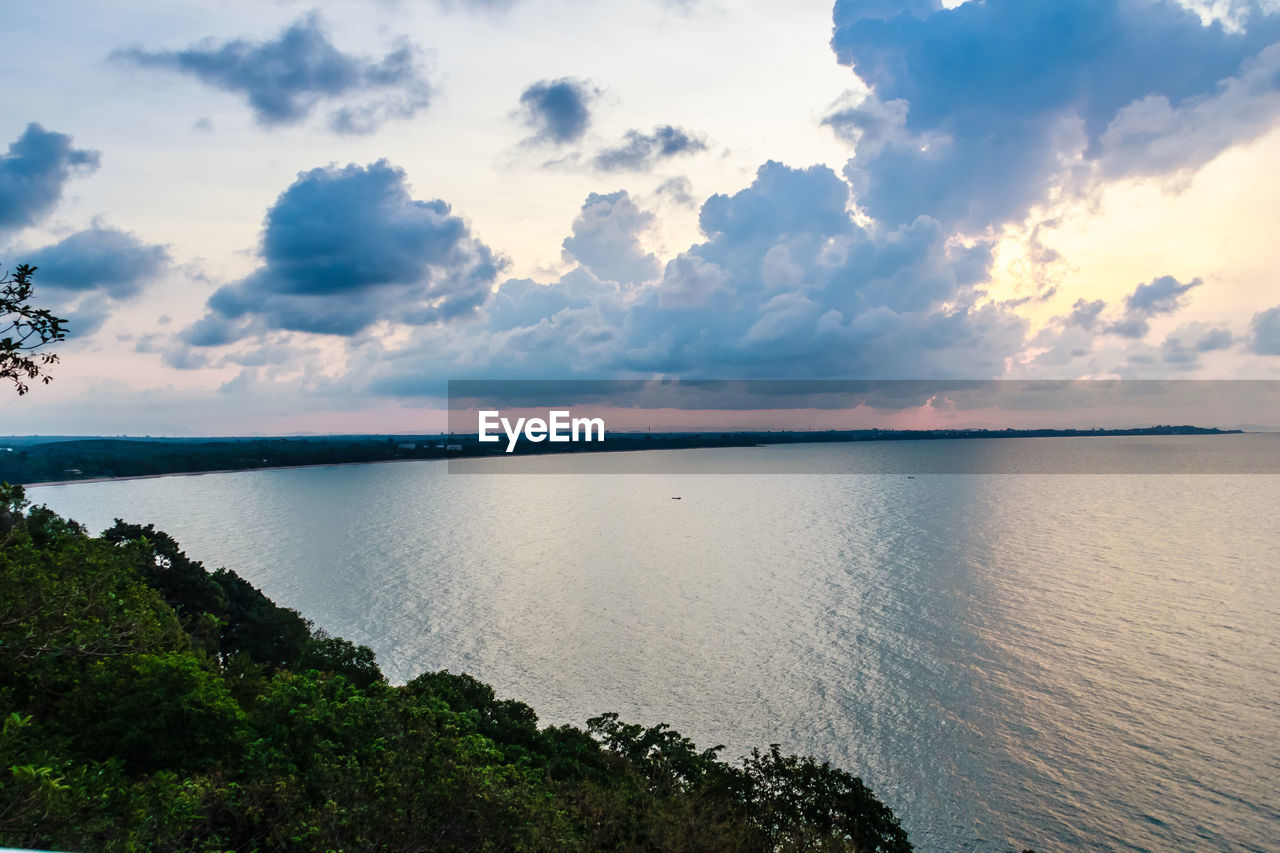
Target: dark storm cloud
{"points": [[974, 110], [33, 173], [344, 248], [639, 152], [557, 111], [284, 78]]}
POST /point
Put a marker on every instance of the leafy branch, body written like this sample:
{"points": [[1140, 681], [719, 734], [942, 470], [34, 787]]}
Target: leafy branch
{"points": [[25, 329]]}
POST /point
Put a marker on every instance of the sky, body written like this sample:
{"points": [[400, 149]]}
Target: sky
{"points": [[301, 217]]}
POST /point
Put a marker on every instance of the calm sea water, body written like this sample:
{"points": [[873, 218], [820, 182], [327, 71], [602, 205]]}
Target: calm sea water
{"points": [[1063, 662]]}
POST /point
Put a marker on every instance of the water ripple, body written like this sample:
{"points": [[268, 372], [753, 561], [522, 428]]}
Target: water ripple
{"points": [[1062, 662]]}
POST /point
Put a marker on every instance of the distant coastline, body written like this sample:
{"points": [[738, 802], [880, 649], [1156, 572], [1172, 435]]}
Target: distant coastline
{"points": [[31, 461], [116, 479]]}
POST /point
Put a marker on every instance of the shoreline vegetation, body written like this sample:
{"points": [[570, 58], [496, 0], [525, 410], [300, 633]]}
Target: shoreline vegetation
{"points": [[149, 704], [35, 461]]}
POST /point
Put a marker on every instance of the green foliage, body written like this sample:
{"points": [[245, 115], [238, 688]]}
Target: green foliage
{"points": [[803, 805], [336, 656], [504, 721], [25, 329], [153, 712], [257, 627], [66, 601], [34, 462], [230, 618], [152, 705], [184, 583]]}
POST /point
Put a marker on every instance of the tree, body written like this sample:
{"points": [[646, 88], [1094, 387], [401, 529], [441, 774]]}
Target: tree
{"points": [[122, 728], [28, 328]]}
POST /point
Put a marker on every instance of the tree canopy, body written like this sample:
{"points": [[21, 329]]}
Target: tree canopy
{"points": [[148, 704]]}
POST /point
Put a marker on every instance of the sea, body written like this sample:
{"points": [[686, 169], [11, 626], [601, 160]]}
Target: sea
{"points": [[1082, 656]]}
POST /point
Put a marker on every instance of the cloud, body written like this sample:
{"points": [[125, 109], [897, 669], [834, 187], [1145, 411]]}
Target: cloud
{"points": [[683, 8], [1061, 346], [1151, 136], [1085, 313], [1130, 328], [866, 122], [785, 283], [639, 152], [557, 111], [1163, 295], [491, 6], [980, 111], [113, 262], [679, 190], [171, 352], [344, 248], [883, 10], [788, 281], [1264, 332], [85, 275], [1183, 346], [691, 282], [1082, 332], [33, 173], [605, 239], [1235, 15], [285, 78], [214, 330]]}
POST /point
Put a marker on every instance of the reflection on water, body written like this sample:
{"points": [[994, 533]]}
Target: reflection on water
{"points": [[1061, 662]]}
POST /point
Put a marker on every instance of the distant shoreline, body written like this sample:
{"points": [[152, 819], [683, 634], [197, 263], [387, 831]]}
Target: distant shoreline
{"points": [[124, 477], [99, 460]]}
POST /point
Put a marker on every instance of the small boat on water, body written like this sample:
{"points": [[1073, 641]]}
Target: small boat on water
{"points": [[676, 498]]}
